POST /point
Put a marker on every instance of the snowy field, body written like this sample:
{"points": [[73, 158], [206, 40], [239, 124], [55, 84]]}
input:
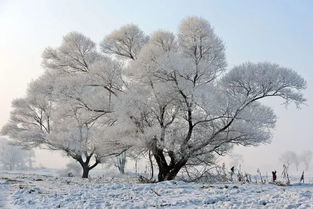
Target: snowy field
{"points": [[41, 191]]}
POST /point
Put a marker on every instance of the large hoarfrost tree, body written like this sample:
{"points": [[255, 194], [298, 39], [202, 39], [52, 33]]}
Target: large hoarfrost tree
{"points": [[168, 94], [185, 108]]}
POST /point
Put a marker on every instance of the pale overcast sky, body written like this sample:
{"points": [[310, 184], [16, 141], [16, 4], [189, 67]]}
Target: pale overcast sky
{"points": [[279, 31]]}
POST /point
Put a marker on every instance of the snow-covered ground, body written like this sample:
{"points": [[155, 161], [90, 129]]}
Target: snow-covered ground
{"points": [[42, 191], [3, 194]]}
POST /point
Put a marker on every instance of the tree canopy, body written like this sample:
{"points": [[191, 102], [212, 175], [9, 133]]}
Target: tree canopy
{"points": [[169, 95]]}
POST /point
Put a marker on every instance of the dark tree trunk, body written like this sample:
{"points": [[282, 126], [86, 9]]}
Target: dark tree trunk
{"points": [[86, 170], [121, 169], [151, 165], [168, 172], [85, 165]]}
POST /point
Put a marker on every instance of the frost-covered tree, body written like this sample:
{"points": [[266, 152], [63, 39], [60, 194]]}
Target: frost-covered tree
{"points": [[184, 106], [121, 162], [67, 108], [117, 162]]}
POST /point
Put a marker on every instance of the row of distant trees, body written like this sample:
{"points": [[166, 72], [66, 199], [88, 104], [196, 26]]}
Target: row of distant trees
{"points": [[13, 157], [168, 98], [290, 158]]}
